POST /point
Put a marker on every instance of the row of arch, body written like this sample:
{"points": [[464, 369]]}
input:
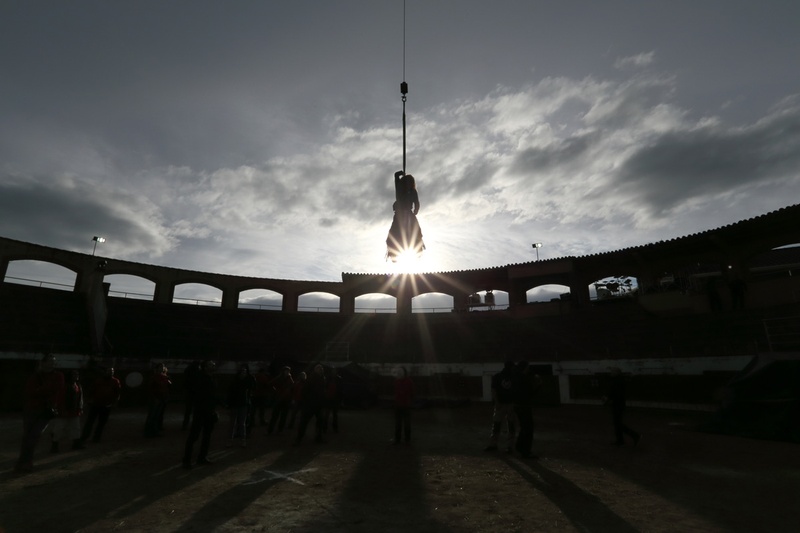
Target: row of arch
{"points": [[51, 275], [730, 251]]}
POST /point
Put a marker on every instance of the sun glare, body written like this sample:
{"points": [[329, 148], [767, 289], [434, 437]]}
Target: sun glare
{"points": [[409, 263]]}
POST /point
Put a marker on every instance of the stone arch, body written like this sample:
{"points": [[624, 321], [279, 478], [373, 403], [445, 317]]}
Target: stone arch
{"points": [[262, 299], [318, 302], [41, 273], [197, 293], [130, 286], [547, 293], [375, 302], [432, 302]]}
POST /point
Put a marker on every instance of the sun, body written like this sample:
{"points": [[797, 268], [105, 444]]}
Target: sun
{"points": [[408, 262]]}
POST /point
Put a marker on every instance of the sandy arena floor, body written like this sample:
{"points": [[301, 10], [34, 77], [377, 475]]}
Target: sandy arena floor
{"points": [[677, 480]]}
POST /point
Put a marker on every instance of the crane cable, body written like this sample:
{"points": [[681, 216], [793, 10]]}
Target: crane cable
{"points": [[404, 87]]}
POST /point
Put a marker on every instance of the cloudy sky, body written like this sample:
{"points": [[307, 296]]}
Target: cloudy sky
{"points": [[260, 138]]}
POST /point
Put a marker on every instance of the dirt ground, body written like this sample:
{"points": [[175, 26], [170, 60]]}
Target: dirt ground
{"points": [[677, 479]]}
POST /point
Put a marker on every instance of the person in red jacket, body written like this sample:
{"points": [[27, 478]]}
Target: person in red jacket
{"points": [[41, 395], [70, 408], [297, 397], [403, 398], [261, 397], [159, 394], [107, 390], [282, 385]]}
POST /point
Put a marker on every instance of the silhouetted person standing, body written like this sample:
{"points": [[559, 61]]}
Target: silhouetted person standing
{"points": [[333, 398], [42, 391], [312, 403], [525, 386], [70, 408], [616, 398], [189, 377], [403, 399], [159, 394], [297, 398], [106, 393], [204, 415], [239, 393], [503, 400], [282, 386]]}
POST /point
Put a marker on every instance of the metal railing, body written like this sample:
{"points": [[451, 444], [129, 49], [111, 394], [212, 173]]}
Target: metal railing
{"points": [[131, 295], [40, 283]]}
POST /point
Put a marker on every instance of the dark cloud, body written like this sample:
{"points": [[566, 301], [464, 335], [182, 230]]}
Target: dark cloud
{"points": [[327, 222], [69, 216], [679, 165], [562, 152], [457, 183]]}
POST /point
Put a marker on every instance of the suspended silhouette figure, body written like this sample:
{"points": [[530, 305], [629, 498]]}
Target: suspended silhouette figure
{"points": [[405, 234]]}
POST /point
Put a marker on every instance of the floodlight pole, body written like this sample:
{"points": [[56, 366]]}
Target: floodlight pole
{"points": [[536, 247], [97, 239]]}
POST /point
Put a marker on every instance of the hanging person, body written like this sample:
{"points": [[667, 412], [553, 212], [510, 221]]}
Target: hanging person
{"points": [[405, 233]]}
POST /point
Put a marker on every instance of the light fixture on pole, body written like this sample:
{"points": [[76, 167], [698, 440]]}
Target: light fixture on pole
{"points": [[97, 239], [536, 247]]}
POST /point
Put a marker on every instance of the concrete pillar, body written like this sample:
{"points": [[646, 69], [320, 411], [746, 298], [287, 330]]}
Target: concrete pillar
{"points": [[517, 296], [230, 298], [404, 303], [347, 304], [164, 292], [579, 291], [290, 302], [461, 302]]}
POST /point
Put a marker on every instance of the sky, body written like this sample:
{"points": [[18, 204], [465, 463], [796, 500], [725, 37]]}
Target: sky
{"points": [[260, 138]]}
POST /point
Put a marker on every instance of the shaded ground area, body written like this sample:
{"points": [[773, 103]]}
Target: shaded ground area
{"points": [[677, 479]]}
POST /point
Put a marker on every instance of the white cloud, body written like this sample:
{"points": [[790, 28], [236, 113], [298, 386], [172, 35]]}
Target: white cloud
{"points": [[637, 61], [584, 165]]}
